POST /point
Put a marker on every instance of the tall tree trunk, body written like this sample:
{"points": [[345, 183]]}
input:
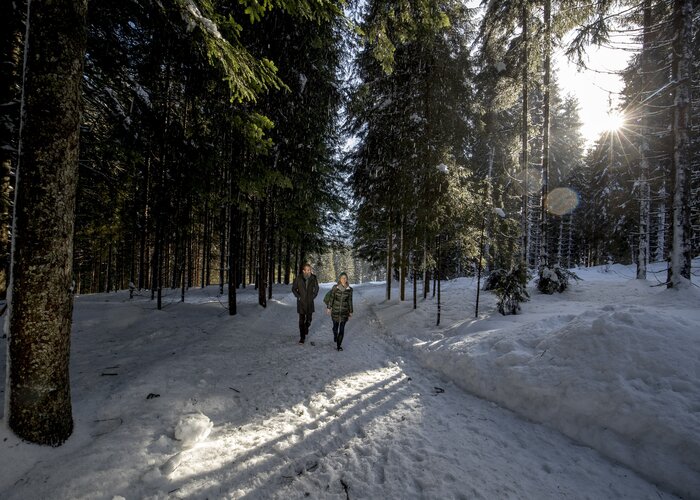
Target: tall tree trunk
{"points": [[524, 138], [243, 247], [270, 264], [543, 258], [560, 242], [489, 203], [661, 225], [38, 405], [679, 270], [10, 57], [644, 193], [100, 253], [297, 261], [144, 221], [569, 243], [415, 274], [159, 266], [234, 245], [183, 274], [205, 243], [251, 252], [279, 258], [389, 259], [190, 259], [222, 248], [155, 260], [438, 278], [287, 260], [426, 273], [108, 277], [402, 259], [209, 241], [262, 254]]}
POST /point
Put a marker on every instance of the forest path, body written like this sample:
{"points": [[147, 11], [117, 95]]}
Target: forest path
{"points": [[370, 422]]}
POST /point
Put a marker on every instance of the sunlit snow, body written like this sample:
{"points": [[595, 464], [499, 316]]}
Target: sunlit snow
{"points": [[592, 393]]}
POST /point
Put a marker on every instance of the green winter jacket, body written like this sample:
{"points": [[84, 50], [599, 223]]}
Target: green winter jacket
{"points": [[339, 301]]}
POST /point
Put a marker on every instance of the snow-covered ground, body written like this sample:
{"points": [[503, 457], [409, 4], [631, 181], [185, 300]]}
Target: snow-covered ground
{"points": [[593, 393]]}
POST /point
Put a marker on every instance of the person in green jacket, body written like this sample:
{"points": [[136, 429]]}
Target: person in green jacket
{"points": [[339, 306]]}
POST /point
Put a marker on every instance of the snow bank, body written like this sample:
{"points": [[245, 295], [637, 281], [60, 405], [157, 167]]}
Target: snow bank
{"points": [[612, 365]]}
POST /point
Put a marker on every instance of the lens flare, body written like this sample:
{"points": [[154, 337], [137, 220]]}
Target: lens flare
{"points": [[533, 180], [616, 120], [562, 201]]}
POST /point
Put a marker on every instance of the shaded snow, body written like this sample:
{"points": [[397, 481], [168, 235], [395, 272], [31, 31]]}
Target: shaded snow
{"points": [[188, 402]]}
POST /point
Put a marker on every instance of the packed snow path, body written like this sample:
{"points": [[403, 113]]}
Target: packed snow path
{"points": [[289, 420]]}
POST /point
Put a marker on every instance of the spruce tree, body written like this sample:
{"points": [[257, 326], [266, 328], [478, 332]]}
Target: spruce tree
{"points": [[38, 405]]}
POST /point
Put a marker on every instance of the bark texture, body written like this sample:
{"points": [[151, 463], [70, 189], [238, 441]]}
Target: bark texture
{"points": [[41, 301], [679, 270]]}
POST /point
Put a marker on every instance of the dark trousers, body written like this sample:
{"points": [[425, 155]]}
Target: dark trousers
{"points": [[304, 323], [338, 331]]}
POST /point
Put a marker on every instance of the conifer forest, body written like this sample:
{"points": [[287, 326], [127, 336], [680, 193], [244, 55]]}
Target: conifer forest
{"points": [[167, 145]]}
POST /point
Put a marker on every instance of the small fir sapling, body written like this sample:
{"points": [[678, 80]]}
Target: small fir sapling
{"points": [[510, 287], [554, 279]]}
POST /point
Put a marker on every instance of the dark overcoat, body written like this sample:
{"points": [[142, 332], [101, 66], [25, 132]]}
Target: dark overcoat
{"points": [[305, 291]]}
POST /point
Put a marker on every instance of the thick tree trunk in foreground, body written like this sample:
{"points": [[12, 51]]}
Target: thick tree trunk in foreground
{"points": [[38, 406], [679, 271]]}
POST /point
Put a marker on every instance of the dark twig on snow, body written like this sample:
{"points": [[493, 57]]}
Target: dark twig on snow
{"points": [[345, 487]]}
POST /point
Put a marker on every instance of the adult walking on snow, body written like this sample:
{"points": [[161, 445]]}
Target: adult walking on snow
{"points": [[305, 289], [339, 306]]}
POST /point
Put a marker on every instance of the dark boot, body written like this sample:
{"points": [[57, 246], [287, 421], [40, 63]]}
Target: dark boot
{"points": [[303, 329], [339, 341]]}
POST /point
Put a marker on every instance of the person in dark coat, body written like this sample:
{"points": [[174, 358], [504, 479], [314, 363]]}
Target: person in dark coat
{"points": [[339, 306], [305, 289]]}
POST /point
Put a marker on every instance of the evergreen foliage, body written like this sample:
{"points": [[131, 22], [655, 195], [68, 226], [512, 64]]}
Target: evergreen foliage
{"points": [[410, 119], [554, 279], [194, 140], [510, 287]]}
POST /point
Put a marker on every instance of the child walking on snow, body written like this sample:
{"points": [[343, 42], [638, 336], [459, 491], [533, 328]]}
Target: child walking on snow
{"points": [[338, 302]]}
